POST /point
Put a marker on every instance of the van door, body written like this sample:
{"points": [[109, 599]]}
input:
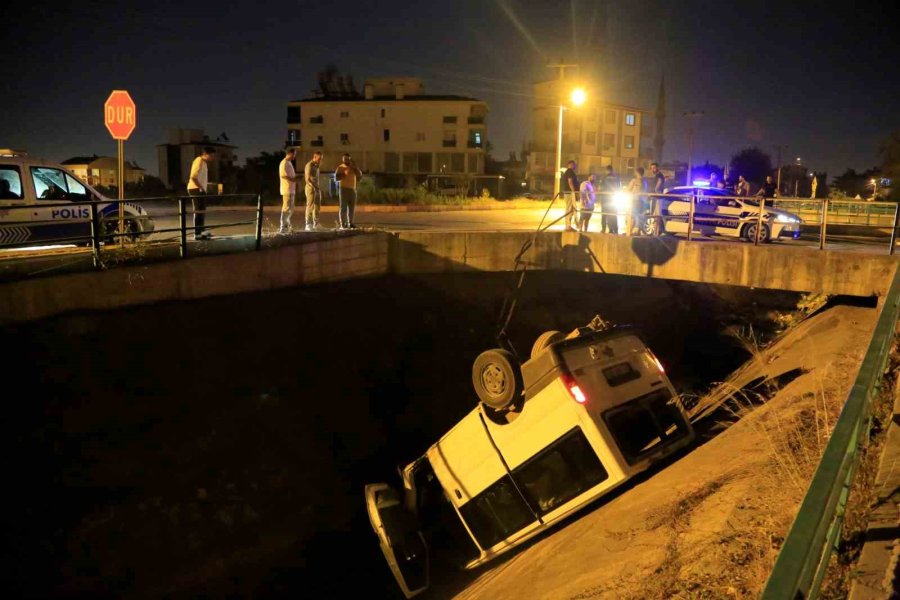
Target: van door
{"points": [[401, 541], [52, 219]]}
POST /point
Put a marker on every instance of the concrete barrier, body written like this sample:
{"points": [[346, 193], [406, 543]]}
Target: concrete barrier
{"points": [[410, 253]]}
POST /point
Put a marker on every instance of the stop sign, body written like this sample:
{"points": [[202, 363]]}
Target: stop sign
{"points": [[120, 114]]}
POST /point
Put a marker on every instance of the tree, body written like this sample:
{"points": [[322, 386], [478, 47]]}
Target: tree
{"points": [[856, 184], [752, 163], [260, 175]]}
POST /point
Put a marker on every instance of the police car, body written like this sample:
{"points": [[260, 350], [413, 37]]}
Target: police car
{"points": [[719, 212], [34, 205]]}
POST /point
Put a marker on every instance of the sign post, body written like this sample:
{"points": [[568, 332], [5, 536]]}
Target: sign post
{"points": [[120, 118]]}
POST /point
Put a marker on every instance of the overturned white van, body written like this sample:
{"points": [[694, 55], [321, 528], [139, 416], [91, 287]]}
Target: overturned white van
{"points": [[583, 415]]}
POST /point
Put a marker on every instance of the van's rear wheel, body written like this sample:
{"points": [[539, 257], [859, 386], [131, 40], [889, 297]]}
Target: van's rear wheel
{"points": [[496, 378], [546, 339]]}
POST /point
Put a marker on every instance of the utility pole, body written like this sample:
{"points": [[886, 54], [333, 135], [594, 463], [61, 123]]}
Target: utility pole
{"points": [[557, 175], [779, 147], [689, 115]]}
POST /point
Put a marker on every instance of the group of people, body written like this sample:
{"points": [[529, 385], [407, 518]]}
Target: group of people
{"points": [[347, 174], [581, 198]]}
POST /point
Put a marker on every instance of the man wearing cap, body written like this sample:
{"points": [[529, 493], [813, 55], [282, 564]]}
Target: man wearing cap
{"points": [[347, 175]]}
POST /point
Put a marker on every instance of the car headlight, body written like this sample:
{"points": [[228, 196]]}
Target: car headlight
{"points": [[782, 218], [622, 200]]}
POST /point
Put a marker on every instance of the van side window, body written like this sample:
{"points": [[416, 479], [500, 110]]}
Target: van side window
{"points": [[496, 513], [10, 183], [563, 470], [49, 184]]}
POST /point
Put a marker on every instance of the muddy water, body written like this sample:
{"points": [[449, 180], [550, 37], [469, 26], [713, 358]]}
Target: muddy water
{"points": [[220, 447]]}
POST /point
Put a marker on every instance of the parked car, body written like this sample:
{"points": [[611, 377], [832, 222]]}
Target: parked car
{"points": [[586, 413], [719, 212], [41, 192]]}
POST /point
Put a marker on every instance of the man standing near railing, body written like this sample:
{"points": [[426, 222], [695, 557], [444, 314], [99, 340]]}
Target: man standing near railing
{"points": [[768, 189], [197, 191], [570, 190], [313, 193], [287, 178], [347, 175]]}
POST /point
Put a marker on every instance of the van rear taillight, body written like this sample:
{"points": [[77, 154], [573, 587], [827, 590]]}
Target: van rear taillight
{"points": [[575, 391]]}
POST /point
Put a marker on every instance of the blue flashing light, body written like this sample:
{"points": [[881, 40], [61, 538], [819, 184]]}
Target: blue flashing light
{"points": [[701, 183]]}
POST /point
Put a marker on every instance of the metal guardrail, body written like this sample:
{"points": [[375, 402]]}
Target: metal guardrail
{"points": [[803, 559], [104, 230], [819, 213]]}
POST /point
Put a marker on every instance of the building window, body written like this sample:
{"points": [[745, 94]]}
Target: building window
{"points": [[629, 142], [317, 142], [293, 137], [474, 139], [629, 163], [473, 162], [609, 140], [382, 113], [387, 134], [425, 162], [449, 119], [345, 114], [410, 162], [590, 138], [317, 120], [449, 139], [611, 117], [629, 118], [391, 162], [293, 114], [420, 136], [458, 162], [345, 138]]}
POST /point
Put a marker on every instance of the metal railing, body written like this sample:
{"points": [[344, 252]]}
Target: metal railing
{"points": [[815, 533], [101, 232], [648, 212]]}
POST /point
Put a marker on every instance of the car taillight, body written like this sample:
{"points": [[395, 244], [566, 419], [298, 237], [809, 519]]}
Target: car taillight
{"points": [[575, 391]]}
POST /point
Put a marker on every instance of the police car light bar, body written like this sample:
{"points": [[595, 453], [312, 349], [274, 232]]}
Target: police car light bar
{"points": [[701, 183]]}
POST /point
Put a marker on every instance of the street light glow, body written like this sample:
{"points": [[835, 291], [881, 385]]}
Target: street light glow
{"points": [[579, 96]]}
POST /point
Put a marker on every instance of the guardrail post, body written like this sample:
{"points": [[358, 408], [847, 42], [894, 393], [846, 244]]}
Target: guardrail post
{"points": [[691, 218], [95, 235], [759, 219], [894, 228], [868, 212], [824, 224], [182, 227], [259, 220]]}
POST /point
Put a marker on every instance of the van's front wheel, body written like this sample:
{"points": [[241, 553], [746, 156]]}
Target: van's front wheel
{"points": [[496, 378]]}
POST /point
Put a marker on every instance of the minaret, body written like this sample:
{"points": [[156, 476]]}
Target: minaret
{"points": [[659, 140]]}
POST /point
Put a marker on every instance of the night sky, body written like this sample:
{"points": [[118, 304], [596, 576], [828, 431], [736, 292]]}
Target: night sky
{"points": [[822, 81]]}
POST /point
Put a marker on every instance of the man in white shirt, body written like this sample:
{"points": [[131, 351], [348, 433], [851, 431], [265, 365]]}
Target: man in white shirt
{"points": [[288, 184], [587, 200], [197, 191]]}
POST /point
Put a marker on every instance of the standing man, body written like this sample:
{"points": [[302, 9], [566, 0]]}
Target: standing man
{"points": [[570, 189], [288, 184], [713, 180], [814, 185], [611, 185], [197, 191], [588, 197], [659, 187], [742, 187], [347, 174], [636, 189], [768, 188], [313, 193]]}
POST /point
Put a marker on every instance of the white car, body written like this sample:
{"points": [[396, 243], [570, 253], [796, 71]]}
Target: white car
{"points": [[718, 212], [43, 203]]}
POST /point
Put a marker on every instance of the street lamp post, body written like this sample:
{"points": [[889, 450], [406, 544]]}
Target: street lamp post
{"points": [[689, 114], [577, 98]]}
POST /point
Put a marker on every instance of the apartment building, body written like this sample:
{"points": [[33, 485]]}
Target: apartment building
{"points": [[103, 170], [595, 134], [393, 129], [183, 146]]}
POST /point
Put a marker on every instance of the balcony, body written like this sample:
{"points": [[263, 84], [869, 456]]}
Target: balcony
{"points": [[449, 143], [473, 144], [318, 143], [476, 120], [294, 143], [317, 120]]}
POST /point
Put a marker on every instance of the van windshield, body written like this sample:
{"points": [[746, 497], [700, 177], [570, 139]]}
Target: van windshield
{"points": [[644, 424]]}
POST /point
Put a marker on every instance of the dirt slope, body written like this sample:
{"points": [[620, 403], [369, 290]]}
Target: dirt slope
{"points": [[710, 524]]}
